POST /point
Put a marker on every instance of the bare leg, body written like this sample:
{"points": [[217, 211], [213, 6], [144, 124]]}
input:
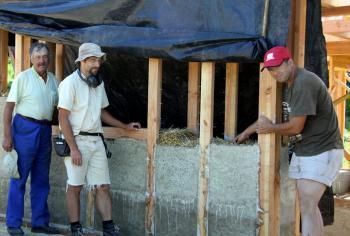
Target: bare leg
{"points": [[73, 202], [104, 202], [310, 193]]}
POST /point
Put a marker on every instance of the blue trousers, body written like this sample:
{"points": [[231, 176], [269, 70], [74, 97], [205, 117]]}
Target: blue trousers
{"points": [[32, 141]]}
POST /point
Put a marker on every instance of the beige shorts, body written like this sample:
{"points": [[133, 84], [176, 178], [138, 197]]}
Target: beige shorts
{"points": [[322, 168], [94, 169]]}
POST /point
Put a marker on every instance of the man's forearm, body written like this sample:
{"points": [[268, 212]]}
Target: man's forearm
{"points": [[7, 119], [285, 129], [107, 118]]}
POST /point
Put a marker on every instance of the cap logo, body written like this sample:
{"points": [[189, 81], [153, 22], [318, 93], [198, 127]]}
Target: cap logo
{"points": [[270, 57]]}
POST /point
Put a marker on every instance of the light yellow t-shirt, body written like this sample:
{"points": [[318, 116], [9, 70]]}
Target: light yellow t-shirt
{"points": [[33, 97], [83, 102]]}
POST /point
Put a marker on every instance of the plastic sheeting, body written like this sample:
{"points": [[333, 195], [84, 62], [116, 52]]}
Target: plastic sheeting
{"points": [[199, 30]]}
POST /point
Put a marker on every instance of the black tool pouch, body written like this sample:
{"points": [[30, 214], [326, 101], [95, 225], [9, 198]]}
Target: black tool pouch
{"points": [[61, 146]]}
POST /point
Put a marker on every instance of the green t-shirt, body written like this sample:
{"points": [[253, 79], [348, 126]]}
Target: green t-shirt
{"points": [[308, 96]]}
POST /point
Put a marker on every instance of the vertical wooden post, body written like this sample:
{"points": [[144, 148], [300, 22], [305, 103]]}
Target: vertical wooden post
{"points": [[299, 32], [269, 157], [206, 133], [231, 97], [52, 61], [153, 125], [193, 96], [59, 62], [90, 209], [299, 59], [27, 43], [3, 60], [18, 54]]}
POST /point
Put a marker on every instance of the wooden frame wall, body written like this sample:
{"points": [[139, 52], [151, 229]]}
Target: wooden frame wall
{"points": [[3, 60], [269, 97]]}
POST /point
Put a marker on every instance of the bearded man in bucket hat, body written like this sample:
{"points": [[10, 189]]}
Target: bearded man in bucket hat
{"points": [[311, 122], [82, 103]]}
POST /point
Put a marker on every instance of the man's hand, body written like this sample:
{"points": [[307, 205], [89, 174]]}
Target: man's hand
{"points": [[7, 144], [264, 125], [76, 157], [240, 138], [133, 126]]}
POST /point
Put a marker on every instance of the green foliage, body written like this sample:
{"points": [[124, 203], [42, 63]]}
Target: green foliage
{"points": [[10, 73]]}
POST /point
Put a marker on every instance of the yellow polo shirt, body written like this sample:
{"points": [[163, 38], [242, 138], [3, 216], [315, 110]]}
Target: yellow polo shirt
{"points": [[83, 102], [33, 97]]}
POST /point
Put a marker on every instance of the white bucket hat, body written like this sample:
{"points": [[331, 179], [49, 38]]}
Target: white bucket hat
{"points": [[89, 50]]}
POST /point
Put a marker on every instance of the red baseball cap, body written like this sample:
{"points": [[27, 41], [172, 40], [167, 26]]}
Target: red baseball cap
{"points": [[275, 56]]}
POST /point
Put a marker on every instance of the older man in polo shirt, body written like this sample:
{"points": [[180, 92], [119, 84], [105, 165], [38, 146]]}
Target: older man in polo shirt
{"points": [[33, 96], [82, 103]]}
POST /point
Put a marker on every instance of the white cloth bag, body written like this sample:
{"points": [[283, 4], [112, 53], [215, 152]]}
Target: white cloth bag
{"points": [[8, 165]]}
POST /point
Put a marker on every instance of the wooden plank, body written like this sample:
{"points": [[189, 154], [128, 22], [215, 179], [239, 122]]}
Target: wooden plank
{"points": [[338, 48], [193, 96], [90, 210], [153, 125], [269, 179], [231, 99], [299, 32], [52, 56], [3, 60], [27, 43], [299, 59], [336, 26], [18, 54], [206, 133], [341, 61], [336, 11], [114, 133], [59, 62]]}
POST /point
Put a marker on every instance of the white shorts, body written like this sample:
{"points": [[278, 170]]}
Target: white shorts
{"points": [[94, 169], [322, 168]]}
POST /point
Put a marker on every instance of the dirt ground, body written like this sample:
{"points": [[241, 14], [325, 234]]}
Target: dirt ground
{"points": [[341, 225]]}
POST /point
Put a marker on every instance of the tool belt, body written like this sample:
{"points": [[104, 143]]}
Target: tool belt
{"points": [[108, 153]]}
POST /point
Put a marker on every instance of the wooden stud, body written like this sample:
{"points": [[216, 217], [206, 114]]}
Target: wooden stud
{"points": [[299, 32], [336, 27], [269, 179], [299, 60], [3, 60], [59, 62], [18, 54], [336, 11], [52, 59], [90, 209], [338, 48], [27, 43], [206, 133], [153, 125], [193, 96], [231, 98]]}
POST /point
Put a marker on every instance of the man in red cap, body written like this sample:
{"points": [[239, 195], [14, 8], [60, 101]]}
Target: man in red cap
{"points": [[311, 122]]}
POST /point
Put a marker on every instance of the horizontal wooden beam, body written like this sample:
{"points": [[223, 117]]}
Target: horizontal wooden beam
{"points": [[336, 11], [336, 26], [114, 133], [338, 48]]}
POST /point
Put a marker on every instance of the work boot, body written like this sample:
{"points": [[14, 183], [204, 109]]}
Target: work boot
{"points": [[110, 230], [77, 230], [15, 231], [45, 230]]}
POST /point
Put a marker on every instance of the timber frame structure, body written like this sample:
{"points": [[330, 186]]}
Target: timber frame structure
{"points": [[200, 91]]}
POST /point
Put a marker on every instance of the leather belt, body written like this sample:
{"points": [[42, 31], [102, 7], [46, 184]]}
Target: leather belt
{"points": [[42, 122], [89, 134]]}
